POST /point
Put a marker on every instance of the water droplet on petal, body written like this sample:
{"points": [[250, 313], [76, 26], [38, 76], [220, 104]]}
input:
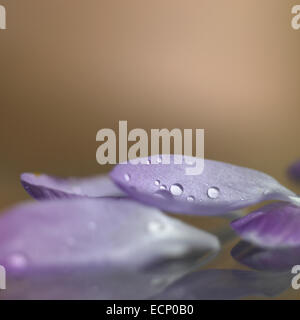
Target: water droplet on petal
{"points": [[176, 189], [163, 187], [127, 177], [213, 192], [157, 182], [190, 198]]}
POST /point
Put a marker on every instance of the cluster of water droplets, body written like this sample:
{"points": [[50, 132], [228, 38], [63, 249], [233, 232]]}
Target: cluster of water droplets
{"points": [[177, 189]]}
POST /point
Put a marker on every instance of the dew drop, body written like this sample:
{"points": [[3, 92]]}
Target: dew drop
{"points": [[163, 187], [176, 189], [157, 182], [127, 177], [190, 198], [213, 192]]}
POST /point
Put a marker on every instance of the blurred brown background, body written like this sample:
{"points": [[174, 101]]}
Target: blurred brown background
{"points": [[71, 67]]}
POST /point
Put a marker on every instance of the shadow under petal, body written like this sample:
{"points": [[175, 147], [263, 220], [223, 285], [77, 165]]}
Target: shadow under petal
{"points": [[258, 258], [107, 281], [226, 285]]}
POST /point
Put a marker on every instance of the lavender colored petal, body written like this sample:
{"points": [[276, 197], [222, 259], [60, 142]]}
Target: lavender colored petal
{"points": [[294, 171], [95, 249], [220, 188], [266, 259], [43, 187], [275, 225], [226, 285]]}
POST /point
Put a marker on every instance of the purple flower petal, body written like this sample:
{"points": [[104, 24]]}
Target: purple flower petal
{"points": [[225, 285], [275, 225], [70, 247], [220, 188], [294, 171], [266, 259], [41, 187]]}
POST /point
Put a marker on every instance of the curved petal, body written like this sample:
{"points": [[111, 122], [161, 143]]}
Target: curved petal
{"points": [[42, 186], [71, 246], [225, 285], [220, 188], [266, 259], [294, 171], [275, 225]]}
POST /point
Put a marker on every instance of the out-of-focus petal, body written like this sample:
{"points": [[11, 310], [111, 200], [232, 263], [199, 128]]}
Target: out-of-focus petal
{"points": [[275, 225], [226, 285], [266, 259], [294, 171], [41, 187], [219, 189], [67, 248]]}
